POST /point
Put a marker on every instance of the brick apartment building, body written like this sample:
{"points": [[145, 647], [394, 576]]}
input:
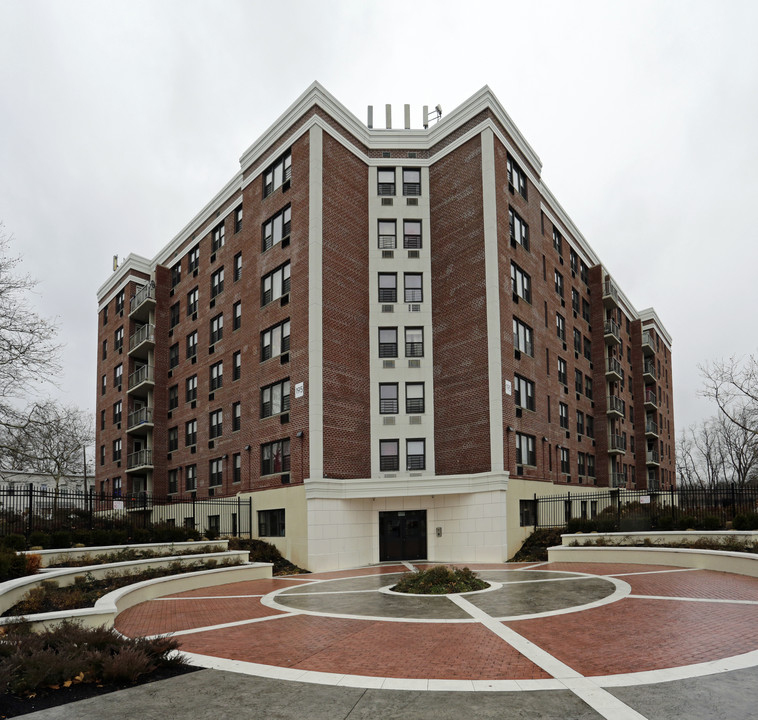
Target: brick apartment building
{"points": [[386, 337]]}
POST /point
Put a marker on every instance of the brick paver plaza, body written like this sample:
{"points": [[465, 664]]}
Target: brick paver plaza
{"points": [[592, 629]]}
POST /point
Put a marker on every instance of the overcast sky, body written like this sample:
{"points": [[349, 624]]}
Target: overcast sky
{"points": [[120, 120]]}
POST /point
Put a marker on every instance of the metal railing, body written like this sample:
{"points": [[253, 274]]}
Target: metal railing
{"points": [[145, 293], [610, 290], [612, 329], [145, 333], [139, 417], [140, 375], [141, 458]]}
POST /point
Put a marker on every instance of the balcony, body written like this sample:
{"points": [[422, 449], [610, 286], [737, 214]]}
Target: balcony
{"points": [[648, 343], [613, 370], [651, 399], [140, 460], [141, 380], [618, 479], [648, 370], [652, 457], [651, 428], [610, 294], [142, 303], [140, 420], [142, 340], [612, 333], [616, 444], [615, 406]]}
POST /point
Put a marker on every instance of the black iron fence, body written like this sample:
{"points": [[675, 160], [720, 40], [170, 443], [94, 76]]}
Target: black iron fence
{"points": [[630, 510], [30, 509]]}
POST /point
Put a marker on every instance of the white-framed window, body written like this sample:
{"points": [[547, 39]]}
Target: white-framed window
{"points": [[277, 174], [521, 283], [516, 177], [275, 340], [522, 337], [275, 398], [276, 284], [411, 181], [526, 453], [277, 228], [523, 392], [519, 229], [385, 181]]}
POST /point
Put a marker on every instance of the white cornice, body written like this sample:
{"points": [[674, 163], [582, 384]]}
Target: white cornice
{"points": [[121, 276], [648, 315], [405, 486]]}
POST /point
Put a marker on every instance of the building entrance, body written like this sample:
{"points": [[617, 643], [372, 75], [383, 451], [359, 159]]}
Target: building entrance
{"points": [[402, 535]]}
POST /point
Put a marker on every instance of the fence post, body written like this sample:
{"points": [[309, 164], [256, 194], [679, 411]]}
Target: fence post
{"points": [[250, 517], [239, 516], [31, 510], [734, 499], [90, 508], [194, 516], [536, 512]]}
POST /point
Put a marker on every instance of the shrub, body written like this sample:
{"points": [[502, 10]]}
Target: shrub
{"points": [[687, 522], [59, 539], [536, 545], [14, 541], [39, 539], [710, 522], [746, 521], [262, 551], [13, 564], [440, 580]]}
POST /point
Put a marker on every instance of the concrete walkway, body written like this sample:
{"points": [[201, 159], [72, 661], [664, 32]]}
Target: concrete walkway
{"points": [[544, 641]]}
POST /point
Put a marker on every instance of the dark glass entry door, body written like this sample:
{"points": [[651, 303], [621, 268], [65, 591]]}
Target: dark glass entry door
{"points": [[402, 535]]}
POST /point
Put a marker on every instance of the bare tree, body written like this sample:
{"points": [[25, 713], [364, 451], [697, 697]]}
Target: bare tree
{"points": [[701, 460], [52, 442], [733, 385], [739, 445], [28, 351]]}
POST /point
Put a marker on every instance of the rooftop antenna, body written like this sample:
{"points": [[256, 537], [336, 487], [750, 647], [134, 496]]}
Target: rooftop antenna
{"points": [[115, 263], [436, 115]]}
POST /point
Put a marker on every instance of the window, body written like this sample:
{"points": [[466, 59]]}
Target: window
{"points": [[217, 237], [215, 424], [275, 340], [173, 397], [412, 234], [190, 433], [120, 302], [524, 392], [192, 297], [414, 398], [271, 523], [105, 349], [237, 266], [573, 260], [237, 219], [217, 282], [236, 416], [190, 478], [516, 178], [176, 274], [102, 419], [388, 398], [558, 240], [275, 399], [581, 464], [565, 460], [236, 468], [521, 283], [413, 287], [118, 339], [216, 375], [577, 342], [575, 301], [217, 328], [578, 381], [102, 454], [276, 175], [562, 371], [411, 181], [173, 482], [117, 487], [192, 344], [525, 450], [275, 457], [387, 287], [118, 375], [191, 387], [588, 386], [586, 309], [105, 315], [193, 259], [117, 411], [276, 284], [522, 337], [584, 272], [415, 454], [590, 426], [117, 450], [563, 415], [387, 234], [173, 316], [237, 315], [579, 422], [103, 385], [386, 181], [519, 229], [559, 283], [388, 342], [277, 229], [389, 455], [173, 439], [560, 326], [236, 365], [414, 342], [591, 466], [215, 472]]}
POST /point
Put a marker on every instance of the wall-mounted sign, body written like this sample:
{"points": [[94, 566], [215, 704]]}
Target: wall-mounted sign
{"points": [[508, 387], [299, 389]]}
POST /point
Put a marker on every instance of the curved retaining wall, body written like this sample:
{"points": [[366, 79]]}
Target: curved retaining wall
{"points": [[620, 538], [11, 591], [719, 560]]}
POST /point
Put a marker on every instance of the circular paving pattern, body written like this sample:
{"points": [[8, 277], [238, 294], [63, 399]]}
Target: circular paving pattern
{"points": [[545, 626]]}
